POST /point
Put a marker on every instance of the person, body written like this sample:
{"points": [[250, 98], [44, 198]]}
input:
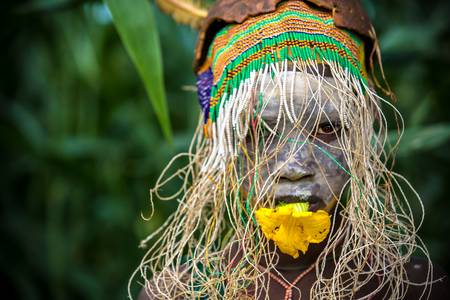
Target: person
{"points": [[288, 193]]}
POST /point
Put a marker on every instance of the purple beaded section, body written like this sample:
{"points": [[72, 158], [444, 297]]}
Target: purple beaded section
{"points": [[205, 82]]}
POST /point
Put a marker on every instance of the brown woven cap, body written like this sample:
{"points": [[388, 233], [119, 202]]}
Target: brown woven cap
{"points": [[348, 14]]}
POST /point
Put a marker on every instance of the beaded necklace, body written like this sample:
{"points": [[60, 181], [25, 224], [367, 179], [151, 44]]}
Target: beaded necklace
{"points": [[289, 285]]}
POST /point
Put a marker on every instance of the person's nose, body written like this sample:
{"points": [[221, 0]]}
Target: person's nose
{"points": [[294, 164]]}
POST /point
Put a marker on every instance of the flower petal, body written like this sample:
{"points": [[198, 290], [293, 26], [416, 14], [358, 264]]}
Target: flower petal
{"points": [[317, 226], [292, 227]]}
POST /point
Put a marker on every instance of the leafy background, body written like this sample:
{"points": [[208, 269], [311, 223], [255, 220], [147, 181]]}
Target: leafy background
{"points": [[81, 145]]}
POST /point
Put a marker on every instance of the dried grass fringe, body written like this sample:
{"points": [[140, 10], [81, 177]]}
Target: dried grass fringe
{"points": [[186, 255]]}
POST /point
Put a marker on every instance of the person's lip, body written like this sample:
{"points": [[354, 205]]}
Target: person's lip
{"points": [[315, 202]]}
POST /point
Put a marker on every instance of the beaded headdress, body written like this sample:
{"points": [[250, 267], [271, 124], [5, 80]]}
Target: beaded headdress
{"points": [[295, 32]]}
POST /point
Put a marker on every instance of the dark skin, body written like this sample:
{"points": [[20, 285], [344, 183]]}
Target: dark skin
{"points": [[307, 175]]}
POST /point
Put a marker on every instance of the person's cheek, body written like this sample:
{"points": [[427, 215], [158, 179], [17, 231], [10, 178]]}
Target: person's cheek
{"points": [[331, 166], [332, 157]]}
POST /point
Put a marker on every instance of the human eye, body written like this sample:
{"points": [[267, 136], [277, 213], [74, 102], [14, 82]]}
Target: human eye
{"points": [[328, 128]]}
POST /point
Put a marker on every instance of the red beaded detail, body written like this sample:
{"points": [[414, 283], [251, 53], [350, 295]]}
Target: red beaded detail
{"points": [[289, 285]]}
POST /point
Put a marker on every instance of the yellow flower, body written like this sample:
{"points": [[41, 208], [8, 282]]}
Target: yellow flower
{"points": [[292, 227]]}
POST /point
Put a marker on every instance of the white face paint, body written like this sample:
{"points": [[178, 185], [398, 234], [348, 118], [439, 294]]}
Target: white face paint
{"points": [[301, 146]]}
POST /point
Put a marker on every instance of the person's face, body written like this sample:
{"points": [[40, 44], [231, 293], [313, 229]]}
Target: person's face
{"points": [[305, 155]]}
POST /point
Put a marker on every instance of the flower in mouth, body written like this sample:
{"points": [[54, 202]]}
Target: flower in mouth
{"points": [[292, 227]]}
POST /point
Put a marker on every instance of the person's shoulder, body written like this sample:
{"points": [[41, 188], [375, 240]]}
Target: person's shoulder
{"points": [[149, 290], [427, 279], [145, 294], [164, 283]]}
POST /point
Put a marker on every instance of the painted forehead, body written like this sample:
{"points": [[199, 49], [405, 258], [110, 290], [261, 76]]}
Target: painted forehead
{"points": [[300, 94]]}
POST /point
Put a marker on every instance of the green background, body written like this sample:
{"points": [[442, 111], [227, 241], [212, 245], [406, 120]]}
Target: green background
{"points": [[81, 146]]}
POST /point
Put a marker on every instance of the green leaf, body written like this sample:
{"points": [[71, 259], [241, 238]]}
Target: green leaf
{"points": [[422, 138], [136, 25], [421, 111]]}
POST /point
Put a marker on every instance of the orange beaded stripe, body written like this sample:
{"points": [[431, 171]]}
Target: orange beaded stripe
{"points": [[294, 16]]}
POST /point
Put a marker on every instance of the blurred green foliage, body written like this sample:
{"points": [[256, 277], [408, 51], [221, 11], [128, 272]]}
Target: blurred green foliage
{"points": [[81, 147]]}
